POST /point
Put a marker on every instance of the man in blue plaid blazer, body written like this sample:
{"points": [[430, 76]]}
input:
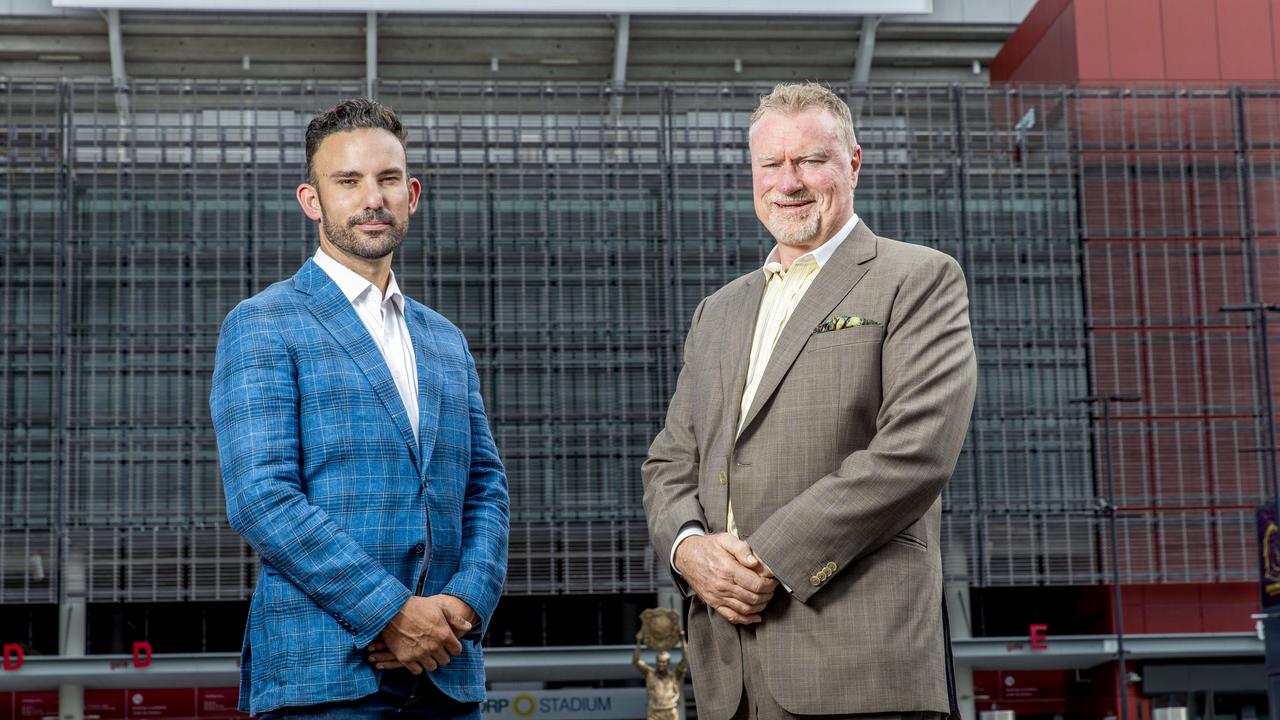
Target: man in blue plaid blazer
{"points": [[357, 460]]}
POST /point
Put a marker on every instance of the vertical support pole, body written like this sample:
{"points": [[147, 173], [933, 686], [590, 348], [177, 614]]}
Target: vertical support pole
{"points": [[866, 49], [71, 630], [621, 48], [119, 78], [1122, 675], [862, 63], [371, 55]]}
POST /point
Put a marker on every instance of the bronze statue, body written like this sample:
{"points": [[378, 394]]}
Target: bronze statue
{"points": [[660, 630]]}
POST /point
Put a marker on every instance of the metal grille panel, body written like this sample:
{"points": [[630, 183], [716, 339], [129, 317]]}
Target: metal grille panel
{"points": [[570, 232]]}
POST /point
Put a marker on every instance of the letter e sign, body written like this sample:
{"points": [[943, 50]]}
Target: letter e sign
{"points": [[1039, 633]]}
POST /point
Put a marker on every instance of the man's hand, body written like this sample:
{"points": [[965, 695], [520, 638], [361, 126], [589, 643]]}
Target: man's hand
{"points": [[424, 634], [726, 575]]}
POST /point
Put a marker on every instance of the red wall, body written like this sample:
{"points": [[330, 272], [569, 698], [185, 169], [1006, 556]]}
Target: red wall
{"points": [[1127, 41], [1221, 607]]}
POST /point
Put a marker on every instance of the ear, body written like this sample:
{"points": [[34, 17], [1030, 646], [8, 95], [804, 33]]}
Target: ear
{"points": [[309, 199], [855, 163], [415, 193]]}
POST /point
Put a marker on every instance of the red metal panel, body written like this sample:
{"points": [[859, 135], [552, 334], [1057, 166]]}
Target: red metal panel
{"points": [[1031, 34], [1190, 44], [106, 704], [1245, 40], [35, 705], [1125, 41], [1275, 40], [218, 703], [1227, 606], [1134, 40], [1269, 249], [1181, 608], [162, 703], [1093, 48], [1052, 59], [1026, 692]]}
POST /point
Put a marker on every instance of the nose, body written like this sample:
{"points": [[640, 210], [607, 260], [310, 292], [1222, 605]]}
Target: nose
{"points": [[373, 197], [789, 180]]}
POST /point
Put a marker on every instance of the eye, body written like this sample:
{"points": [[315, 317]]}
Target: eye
{"points": [[347, 182]]}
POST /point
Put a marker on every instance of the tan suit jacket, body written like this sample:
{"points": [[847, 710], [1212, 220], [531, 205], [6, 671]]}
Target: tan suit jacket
{"points": [[835, 478]]}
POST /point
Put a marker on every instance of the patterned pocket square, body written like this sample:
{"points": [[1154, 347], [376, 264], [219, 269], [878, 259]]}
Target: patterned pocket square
{"points": [[842, 322]]}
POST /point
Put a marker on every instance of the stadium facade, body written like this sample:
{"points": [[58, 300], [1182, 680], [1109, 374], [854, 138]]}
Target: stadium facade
{"points": [[570, 228]]}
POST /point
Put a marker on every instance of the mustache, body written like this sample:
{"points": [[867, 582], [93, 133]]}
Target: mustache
{"points": [[775, 197], [369, 216]]}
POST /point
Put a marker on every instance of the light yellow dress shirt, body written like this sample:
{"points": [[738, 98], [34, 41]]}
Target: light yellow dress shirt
{"points": [[776, 288], [783, 291]]}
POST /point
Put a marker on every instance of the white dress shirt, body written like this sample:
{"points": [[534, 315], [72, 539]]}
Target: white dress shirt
{"points": [[383, 317], [778, 302]]}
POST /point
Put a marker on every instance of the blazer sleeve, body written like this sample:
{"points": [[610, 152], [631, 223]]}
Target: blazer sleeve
{"points": [[255, 404], [670, 472], [482, 570], [928, 380]]}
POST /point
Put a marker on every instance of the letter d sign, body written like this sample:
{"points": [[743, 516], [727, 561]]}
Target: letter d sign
{"points": [[141, 654], [13, 656]]}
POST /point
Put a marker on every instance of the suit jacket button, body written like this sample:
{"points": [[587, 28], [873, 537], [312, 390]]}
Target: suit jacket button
{"points": [[724, 479], [815, 581], [419, 549], [831, 567]]}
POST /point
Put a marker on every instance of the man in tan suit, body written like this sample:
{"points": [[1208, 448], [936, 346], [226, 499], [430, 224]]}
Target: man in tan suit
{"points": [[820, 411]]}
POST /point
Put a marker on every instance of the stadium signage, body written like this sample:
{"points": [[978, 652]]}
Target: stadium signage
{"points": [[13, 656], [567, 704], [1039, 636], [141, 654]]}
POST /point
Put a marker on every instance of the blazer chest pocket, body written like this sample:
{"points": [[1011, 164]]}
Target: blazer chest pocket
{"points": [[846, 336]]}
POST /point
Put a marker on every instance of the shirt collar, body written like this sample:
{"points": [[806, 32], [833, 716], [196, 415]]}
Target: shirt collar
{"points": [[353, 285], [819, 255]]}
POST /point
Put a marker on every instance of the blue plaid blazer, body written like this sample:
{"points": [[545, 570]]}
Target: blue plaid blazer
{"points": [[323, 478]]}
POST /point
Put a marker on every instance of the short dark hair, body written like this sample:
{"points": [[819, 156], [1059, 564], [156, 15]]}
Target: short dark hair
{"points": [[350, 114]]}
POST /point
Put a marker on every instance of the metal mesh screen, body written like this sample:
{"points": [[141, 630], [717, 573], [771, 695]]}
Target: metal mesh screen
{"points": [[570, 232]]}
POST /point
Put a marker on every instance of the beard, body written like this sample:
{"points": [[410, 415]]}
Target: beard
{"points": [[347, 238], [793, 231]]}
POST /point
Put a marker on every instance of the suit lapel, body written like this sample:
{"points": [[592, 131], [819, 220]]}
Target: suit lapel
{"points": [[430, 378], [833, 283], [736, 351], [335, 312]]}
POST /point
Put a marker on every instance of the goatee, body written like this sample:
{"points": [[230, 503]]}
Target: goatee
{"points": [[370, 246]]}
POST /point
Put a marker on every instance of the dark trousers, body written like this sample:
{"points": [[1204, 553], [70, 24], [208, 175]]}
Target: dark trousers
{"points": [[401, 695]]}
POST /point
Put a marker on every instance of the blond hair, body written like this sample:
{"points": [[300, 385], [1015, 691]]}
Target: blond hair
{"points": [[795, 98]]}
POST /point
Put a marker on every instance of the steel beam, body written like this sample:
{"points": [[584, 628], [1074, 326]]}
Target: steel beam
{"points": [[621, 47], [866, 49], [119, 78], [613, 662]]}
